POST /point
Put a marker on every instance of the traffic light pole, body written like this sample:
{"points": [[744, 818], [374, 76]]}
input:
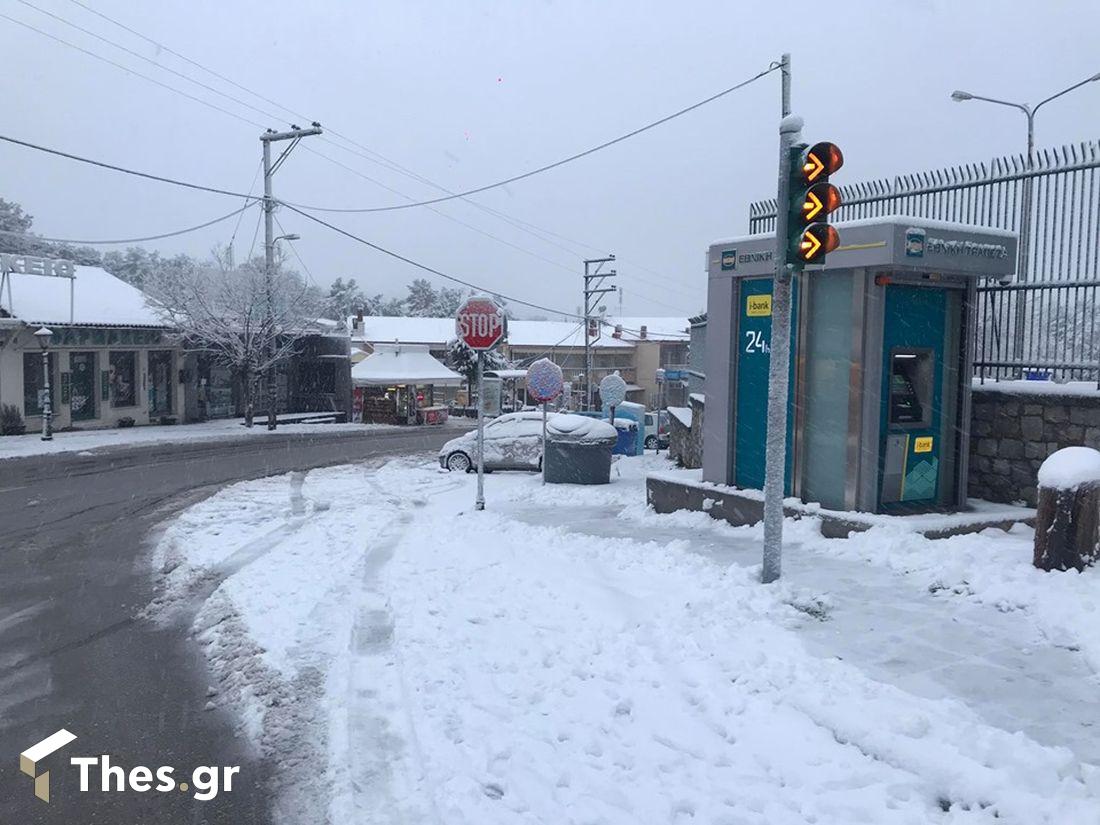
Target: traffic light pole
{"points": [[775, 462]]}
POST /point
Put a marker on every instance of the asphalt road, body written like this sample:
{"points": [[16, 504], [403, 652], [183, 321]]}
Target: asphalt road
{"points": [[74, 575]]}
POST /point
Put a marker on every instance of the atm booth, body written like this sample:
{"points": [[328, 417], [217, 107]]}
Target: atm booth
{"points": [[881, 359]]}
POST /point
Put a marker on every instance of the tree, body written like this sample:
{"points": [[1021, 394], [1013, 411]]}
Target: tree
{"points": [[136, 265], [463, 360], [16, 236], [421, 300], [224, 313], [344, 299]]}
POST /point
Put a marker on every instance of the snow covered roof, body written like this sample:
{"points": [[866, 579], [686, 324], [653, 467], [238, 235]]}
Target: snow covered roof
{"points": [[402, 364], [99, 298], [564, 334], [657, 328], [385, 328]]}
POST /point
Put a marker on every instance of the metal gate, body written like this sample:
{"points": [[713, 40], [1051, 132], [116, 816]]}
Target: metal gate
{"points": [[1044, 321]]}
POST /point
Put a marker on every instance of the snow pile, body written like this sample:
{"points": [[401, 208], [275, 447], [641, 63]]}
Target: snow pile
{"points": [[681, 414], [569, 656], [569, 427], [1069, 468]]}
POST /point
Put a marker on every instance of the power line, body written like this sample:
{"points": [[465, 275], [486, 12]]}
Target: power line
{"points": [[128, 70], [555, 164], [149, 60], [124, 170], [128, 240], [366, 153], [424, 267]]}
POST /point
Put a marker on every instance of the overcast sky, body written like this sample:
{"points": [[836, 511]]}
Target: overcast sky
{"points": [[466, 93]]}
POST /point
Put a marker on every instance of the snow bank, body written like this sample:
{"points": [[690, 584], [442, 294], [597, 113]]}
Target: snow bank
{"points": [[1069, 468], [405, 658]]}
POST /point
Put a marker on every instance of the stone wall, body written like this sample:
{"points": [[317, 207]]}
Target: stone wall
{"points": [[1013, 432], [685, 446]]}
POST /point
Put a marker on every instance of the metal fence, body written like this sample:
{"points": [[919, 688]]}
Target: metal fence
{"points": [[1045, 320]]}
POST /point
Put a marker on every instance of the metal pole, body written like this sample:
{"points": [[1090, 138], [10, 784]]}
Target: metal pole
{"points": [[544, 442], [587, 348], [479, 504], [47, 406], [775, 462], [1024, 247], [269, 285], [785, 74]]}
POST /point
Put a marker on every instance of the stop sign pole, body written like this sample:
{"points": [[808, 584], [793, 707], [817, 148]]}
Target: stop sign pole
{"points": [[480, 324]]}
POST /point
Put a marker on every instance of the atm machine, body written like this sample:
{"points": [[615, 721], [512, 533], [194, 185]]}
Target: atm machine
{"points": [[881, 355]]}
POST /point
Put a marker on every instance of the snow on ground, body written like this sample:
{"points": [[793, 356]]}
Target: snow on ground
{"points": [[20, 446], [569, 656]]}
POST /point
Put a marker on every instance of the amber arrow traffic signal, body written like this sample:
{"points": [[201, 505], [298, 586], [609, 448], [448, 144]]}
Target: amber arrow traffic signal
{"points": [[813, 198]]}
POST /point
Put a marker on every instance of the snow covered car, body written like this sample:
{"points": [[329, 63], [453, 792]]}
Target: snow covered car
{"points": [[512, 442], [656, 429]]}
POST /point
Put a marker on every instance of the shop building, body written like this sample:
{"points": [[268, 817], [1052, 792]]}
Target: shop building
{"points": [[111, 358]]}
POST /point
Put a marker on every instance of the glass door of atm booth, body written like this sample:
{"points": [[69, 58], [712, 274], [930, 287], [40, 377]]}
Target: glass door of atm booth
{"points": [[922, 346]]}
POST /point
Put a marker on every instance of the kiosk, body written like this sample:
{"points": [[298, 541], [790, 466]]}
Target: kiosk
{"points": [[881, 354]]}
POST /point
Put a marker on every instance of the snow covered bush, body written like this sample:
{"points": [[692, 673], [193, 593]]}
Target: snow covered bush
{"points": [[11, 420]]}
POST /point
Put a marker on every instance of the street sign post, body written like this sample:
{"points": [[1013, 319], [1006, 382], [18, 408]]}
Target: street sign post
{"points": [[613, 392], [544, 384], [480, 324]]}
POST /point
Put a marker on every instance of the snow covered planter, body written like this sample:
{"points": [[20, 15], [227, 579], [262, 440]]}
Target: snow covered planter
{"points": [[578, 450], [1067, 524]]}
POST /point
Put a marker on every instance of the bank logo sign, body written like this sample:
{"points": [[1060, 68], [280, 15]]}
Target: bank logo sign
{"points": [[729, 260], [914, 243], [206, 781]]}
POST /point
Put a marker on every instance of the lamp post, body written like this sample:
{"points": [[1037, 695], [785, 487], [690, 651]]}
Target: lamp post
{"points": [[44, 336], [269, 289], [1025, 201]]}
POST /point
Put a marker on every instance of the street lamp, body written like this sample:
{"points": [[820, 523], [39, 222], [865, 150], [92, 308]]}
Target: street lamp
{"points": [[269, 289], [44, 336], [1024, 253], [1029, 111]]}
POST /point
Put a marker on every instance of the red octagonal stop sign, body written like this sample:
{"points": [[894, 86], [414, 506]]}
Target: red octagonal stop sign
{"points": [[480, 323]]}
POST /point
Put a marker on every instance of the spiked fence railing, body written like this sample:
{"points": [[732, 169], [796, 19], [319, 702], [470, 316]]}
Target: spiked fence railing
{"points": [[1045, 320]]}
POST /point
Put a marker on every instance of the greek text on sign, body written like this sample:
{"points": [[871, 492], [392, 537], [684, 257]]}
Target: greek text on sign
{"points": [[34, 265], [480, 323], [758, 306], [922, 444]]}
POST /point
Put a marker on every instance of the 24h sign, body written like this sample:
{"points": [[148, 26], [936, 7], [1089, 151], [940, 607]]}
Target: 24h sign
{"points": [[480, 324]]}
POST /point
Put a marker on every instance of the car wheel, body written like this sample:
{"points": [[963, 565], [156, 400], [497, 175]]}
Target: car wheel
{"points": [[651, 442], [459, 462]]}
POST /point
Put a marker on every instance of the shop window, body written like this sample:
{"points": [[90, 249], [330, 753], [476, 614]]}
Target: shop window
{"points": [[123, 379], [911, 372], [34, 383]]}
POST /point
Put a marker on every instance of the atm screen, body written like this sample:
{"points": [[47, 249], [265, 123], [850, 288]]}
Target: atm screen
{"points": [[911, 387]]}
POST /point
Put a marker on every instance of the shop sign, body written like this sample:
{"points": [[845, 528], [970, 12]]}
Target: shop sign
{"points": [[105, 337], [35, 265]]}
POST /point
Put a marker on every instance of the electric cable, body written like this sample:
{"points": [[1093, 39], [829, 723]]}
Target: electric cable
{"points": [[178, 232]]}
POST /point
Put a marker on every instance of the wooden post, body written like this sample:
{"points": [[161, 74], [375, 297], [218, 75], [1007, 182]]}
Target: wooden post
{"points": [[1067, 522]]}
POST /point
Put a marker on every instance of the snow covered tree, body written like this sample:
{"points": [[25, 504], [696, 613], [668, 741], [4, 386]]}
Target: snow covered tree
{"points": [[224, 313], [16, 236], [463, 360], [345, 298]]}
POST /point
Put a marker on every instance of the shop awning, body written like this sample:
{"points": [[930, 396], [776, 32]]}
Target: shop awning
{"points": [[393, 364]]}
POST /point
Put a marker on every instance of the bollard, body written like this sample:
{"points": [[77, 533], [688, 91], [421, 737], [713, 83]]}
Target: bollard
{"points": [[1067, 521]]}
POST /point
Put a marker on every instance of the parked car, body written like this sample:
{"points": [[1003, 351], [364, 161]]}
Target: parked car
{"points": [[656, 429], [512, 442]]}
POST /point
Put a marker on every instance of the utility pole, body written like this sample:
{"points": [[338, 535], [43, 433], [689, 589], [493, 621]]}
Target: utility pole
{"points": [[593, 289], [775, 460], [294, 135]]}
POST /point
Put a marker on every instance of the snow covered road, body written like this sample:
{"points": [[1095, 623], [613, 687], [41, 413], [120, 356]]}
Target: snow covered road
{"points": [[569, 656]]}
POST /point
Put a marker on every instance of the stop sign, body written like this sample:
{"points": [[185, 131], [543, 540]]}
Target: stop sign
{"points": [[480, 324]]}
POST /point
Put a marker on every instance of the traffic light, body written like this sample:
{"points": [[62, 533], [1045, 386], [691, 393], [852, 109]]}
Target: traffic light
{"points": [[813, 198]]}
